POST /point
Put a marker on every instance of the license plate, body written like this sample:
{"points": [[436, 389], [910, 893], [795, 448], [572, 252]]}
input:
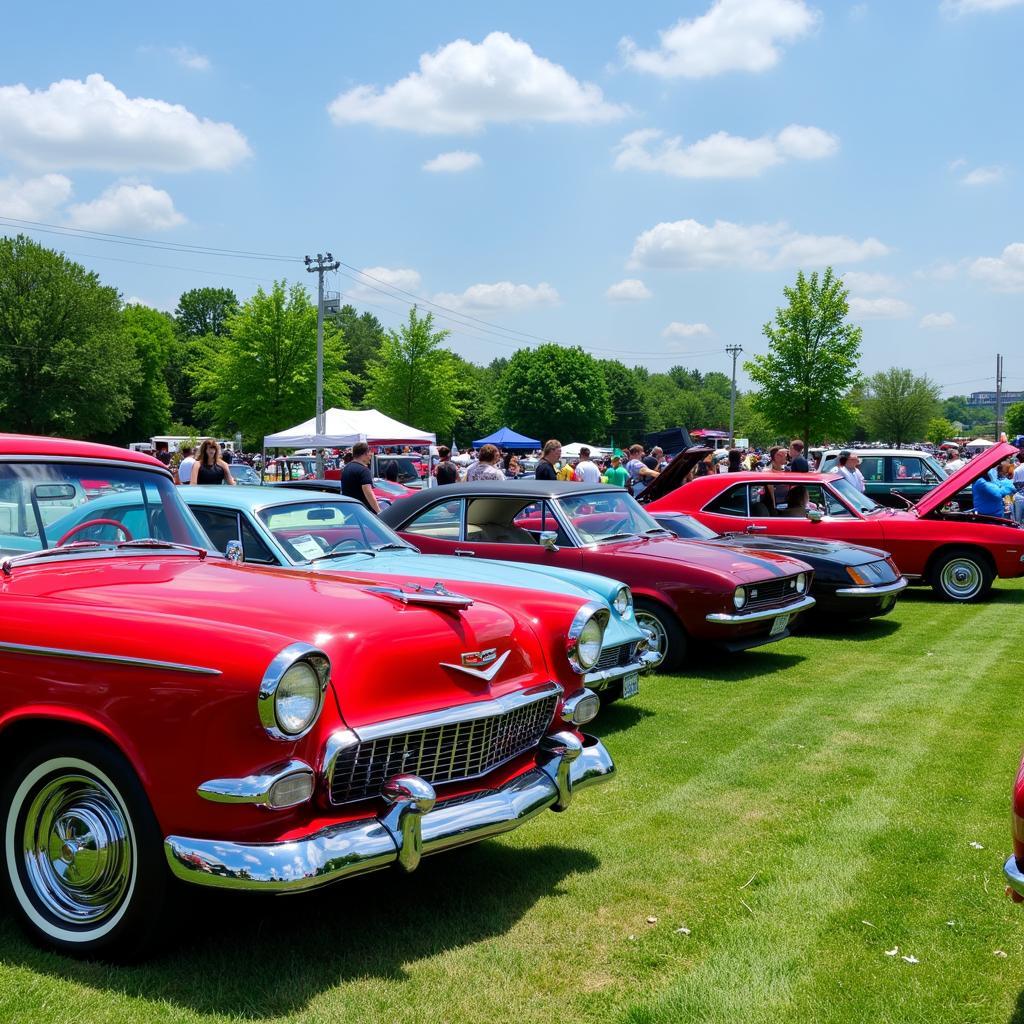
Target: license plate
{"points": [[779, 625], [631, 685]]}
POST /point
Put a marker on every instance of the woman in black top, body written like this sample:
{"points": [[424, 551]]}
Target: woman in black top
{"points": [[210, 468]]}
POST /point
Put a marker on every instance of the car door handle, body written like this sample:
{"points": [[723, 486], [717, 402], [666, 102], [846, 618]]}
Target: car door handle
{"points": [[464, 551]]}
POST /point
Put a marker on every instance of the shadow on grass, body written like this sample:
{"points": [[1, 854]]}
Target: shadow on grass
{"points": [[619, 716], [997, 595], [256, 957], [1017, 1017], [856, 632], [745, 666]]}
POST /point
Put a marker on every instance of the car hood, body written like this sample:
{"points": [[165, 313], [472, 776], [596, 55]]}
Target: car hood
{"points": [[964, 477], [673, 474], [803, 547]]}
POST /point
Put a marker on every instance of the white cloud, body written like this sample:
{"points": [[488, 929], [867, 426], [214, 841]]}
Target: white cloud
{"points": [[127, 207], [629, 290], [859, 281], [33, 198], [93, 124], [690, 245], [955, 8], [464, 86], [680, 330], [732, 35], [938, 272], [937, 321], [189, 58], [884, 308], [454, 162], [721, 155], [984, 176], [1004, 273], [500, 295], [406, 278]]}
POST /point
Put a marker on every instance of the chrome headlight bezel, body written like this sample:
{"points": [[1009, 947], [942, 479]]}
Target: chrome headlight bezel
{"points": [[293, 655], [739, 598], [591, 612], [801, 582], [623, 602]]}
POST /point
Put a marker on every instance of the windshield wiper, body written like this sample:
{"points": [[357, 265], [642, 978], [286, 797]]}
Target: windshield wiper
{"points": [[621, 536], [60, 549], [655, 530], [152, 542], [341, 554], [392, 546]]}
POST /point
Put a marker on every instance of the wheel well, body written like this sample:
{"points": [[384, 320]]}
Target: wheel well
{"points": [[22, 735], [980, 553], [639, 600]]}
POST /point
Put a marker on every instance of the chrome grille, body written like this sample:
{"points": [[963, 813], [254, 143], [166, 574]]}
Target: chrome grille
{"points": [[615, 657], [772, 592], [441, 753]]}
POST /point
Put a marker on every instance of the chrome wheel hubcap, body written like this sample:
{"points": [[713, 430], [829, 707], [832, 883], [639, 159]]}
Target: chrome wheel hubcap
{"points": [[659, 640], [961, 579], [77, 849]]}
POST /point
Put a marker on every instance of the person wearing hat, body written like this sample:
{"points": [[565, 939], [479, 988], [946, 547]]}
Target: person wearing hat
{"points": [[616, 473]]}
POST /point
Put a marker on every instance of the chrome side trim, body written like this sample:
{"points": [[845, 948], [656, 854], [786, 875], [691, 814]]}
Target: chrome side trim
{"points": [[725, 619], [107, 659], [1014, 875], [877, 591], [357, 847], [459, 713], [251, 789]]}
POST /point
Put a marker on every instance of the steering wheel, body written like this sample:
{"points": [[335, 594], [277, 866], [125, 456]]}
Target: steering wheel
{"points": [[352, 543], [94, 522]]}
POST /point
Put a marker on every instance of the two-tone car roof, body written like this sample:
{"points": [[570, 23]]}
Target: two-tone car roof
{"points": [[59, 447]]}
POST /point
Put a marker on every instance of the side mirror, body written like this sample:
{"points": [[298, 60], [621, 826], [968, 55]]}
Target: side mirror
{"points": [[549, 538], [234, 551], [815, 515]]}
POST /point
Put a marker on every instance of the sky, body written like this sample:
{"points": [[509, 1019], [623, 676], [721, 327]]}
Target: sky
{"points": [[640, 180]]}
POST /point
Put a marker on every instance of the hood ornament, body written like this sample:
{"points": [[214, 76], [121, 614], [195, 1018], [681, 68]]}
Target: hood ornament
{"points": [[473, 663]]}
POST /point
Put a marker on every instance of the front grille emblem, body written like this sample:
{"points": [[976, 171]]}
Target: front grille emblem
{"points": [[479, 659], [474, 663]]}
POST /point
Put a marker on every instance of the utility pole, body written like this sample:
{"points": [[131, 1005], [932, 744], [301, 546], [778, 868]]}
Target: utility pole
{"points": [[999, 393], [320, 266], [734, 351]]}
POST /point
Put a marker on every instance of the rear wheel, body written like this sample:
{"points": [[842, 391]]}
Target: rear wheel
{"points": [[669, 640], [962, 574], [84, 869]]}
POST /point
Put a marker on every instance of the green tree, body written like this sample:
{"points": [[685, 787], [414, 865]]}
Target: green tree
{"points": [[260, 376], [414, 379], [66, 364], [1014, 420], [626, 398], [811, 363], [152, 334], [900, 404], [478, 414], [205, 311], [552, 391], [939, 429], [202, 315], [364, 335]]}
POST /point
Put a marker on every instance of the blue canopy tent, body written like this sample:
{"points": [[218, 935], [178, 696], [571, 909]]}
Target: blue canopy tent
{"points": [[506, 438]]}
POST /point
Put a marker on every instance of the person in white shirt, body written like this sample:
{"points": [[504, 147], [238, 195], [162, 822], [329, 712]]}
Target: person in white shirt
{"points": [[586, 471], [186, 464], [485, 467], [1018, 488], [847, 469], [954, 464]]}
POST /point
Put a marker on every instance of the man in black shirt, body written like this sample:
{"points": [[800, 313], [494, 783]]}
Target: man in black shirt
{"points": [[356, 478], [446, 473], [797, 462], [546, 466]]}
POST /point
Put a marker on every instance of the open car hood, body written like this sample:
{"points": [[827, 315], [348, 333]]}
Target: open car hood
{"points": [[673, 474], [964, 477]]}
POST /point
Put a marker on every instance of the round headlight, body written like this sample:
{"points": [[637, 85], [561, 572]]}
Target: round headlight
{"points": [[739, 599], [801, 582], [588, 647], [624, 601], [297, 699]]}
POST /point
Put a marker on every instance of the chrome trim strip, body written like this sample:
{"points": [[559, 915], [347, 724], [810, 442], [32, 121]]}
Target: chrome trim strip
{"points": [[252, 789], [357, 847], [605, 676], [1014, 875], [459, 713], [108, 659], [876, 591], [724, 619]]}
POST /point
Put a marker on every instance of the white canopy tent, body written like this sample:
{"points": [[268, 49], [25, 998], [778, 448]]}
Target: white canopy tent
{"points": [[345, 427], [978, 444], [572, 451]]}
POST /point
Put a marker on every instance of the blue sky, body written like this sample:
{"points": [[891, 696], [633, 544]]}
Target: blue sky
{"points": [[641, 180]]}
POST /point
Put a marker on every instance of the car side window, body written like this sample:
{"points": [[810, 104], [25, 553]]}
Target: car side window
{"points": [[829, 503], [540, 518], [906, 468], [442, 521], [253, 546], [762, 502], [220, 526], [732, 502], [872, 468]]}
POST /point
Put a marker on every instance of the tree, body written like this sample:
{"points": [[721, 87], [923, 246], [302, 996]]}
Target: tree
{"points": [[202, 314], [414, 379], [478, 414], [363, 337], [938, 430], [1014, 420], [626, 397], [260, 376], [66, 364], [152, 334], [900, 404], [811, 362], [552, 391]]}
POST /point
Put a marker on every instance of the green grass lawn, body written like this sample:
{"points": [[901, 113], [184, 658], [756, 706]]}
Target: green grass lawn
{"points": [[800, 810]]}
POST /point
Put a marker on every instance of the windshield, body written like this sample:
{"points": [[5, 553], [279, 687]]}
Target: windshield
{"points": [[244, 474], [687, 526], [601, 516], [405, 468], [46, 504], [312, 529], [861, 502]]}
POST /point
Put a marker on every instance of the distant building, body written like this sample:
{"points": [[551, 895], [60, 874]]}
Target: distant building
{"points": [[989, 398]]}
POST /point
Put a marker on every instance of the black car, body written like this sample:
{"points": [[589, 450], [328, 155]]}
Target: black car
{"points": [[850, 582]]}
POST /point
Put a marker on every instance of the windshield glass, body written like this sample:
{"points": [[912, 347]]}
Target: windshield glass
{"points": [[312, 529], [687, 526], [49, 503], [405, 468], [244, 474], [861, 502], [600, 516]]}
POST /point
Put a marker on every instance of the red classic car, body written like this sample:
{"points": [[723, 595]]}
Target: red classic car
{"points": [[167, 712], [1013, 869], [958, 553], [683, 591]]}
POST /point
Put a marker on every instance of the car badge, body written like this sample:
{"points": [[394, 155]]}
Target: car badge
{"points": [[473, 663]]}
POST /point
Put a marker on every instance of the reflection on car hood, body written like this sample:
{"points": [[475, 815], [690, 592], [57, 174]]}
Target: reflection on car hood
{"points": [[804, 547]]}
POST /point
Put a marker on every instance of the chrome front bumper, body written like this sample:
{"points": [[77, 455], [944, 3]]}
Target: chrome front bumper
{"points": [[603, 679], [413, 826], [727, 619], [1014, 875], [878, 591]]}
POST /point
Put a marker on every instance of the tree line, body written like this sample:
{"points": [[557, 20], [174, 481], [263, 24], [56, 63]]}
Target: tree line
{"points": [[76, 361]]}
